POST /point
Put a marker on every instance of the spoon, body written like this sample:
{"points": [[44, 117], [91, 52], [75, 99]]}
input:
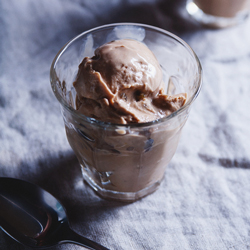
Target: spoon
{"points": [[33, 217]]}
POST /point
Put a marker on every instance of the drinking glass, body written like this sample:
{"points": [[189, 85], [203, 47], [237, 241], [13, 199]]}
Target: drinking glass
{"points": [[126, 161], [219, 13]]}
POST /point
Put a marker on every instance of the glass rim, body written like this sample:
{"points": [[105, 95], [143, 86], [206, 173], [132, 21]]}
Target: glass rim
{"points": [[53, 77]]}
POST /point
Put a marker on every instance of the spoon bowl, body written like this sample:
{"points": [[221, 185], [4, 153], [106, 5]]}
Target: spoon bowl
{"points": [[35, 218]]}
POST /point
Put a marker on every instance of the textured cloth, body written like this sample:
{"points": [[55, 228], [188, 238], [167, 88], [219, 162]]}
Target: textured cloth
{"points": [[204, 199]]}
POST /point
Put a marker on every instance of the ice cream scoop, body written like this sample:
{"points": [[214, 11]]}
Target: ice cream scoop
{"points": [[122, 83]]}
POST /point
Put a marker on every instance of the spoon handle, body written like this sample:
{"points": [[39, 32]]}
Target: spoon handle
{"points": [[72, 237]]}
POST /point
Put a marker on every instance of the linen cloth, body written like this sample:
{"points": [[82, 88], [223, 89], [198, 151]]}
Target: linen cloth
{"points": [[204, 199]]}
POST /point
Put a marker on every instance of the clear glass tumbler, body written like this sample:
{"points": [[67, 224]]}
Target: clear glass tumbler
{"points": [[125, 162], [219, 13]]}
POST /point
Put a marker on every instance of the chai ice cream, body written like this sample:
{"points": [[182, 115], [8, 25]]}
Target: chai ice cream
{"points": [[122, 84], [223, 8]]}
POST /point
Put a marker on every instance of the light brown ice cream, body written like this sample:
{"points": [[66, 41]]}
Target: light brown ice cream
{"points": [[125, 160], [223, 8], [122, 83]]}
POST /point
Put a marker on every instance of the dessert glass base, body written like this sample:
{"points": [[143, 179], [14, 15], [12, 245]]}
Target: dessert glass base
{"points": [[116, 195], [213, 21]]}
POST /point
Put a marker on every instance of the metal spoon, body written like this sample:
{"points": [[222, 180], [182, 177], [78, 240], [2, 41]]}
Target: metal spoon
{"points": [[33, 217]]}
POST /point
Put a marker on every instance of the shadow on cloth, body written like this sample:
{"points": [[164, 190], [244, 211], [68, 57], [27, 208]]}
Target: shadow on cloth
{"points": [[63, 179], [169, 15], [226, 162], [61, 176]]}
